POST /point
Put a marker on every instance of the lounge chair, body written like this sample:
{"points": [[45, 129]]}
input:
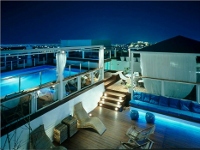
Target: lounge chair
{"points": [[84, 121], [138, 135], [39, 140], [145, 144], [123, 77], [11, 114]]}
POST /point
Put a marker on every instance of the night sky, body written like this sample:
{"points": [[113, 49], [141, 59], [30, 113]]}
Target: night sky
{"points": [[118, 21]]}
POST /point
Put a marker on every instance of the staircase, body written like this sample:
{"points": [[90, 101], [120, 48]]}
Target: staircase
{"points": [[112, 100]]}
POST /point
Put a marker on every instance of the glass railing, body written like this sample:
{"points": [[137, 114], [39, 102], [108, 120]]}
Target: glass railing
{"points": [[18, 83], [15, 109], [71, 86]]}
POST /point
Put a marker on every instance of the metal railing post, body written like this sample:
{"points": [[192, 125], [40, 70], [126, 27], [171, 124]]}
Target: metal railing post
{"points": [[11, 67], [19, 84], [69, 70], [34, 61], [24, 63], [40, 78]]}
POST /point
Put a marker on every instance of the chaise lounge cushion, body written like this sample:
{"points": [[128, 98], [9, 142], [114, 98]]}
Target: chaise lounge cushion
{"points": [[174, 103], [195, 107], [39, 139], [84, 121], [184, 109], [154, 99], [185, 105], [146, 97], [164, 101], [137, 95]]}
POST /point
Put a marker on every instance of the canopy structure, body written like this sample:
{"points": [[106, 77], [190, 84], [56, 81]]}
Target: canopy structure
{"points": [[61, 60], [169, 68]]}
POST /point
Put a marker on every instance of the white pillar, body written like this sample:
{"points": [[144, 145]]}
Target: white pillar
{"points": [[131, 71], [101, 61], [198, 93], [79, 83], [34, 102], [115, 53], [129, 52], [60, 66]]}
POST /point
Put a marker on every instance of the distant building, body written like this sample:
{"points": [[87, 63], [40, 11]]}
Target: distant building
{"points": [[105, 43]]}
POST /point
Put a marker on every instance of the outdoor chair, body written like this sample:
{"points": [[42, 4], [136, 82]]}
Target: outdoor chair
{"points": [[145, 144], [123, 77], [39, 140], [84, 121], [138, 135], [11, 114]]}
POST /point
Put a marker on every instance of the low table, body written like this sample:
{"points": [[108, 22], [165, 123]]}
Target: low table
{"points": [[71, 122], [141, 83], [60, 133]]}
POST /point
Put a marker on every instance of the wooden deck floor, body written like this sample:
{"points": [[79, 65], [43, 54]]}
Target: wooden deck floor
{"points": [[170, 132], [167, 134]]}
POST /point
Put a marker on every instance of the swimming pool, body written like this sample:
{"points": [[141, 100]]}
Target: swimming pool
{"points": [[23, 79]]}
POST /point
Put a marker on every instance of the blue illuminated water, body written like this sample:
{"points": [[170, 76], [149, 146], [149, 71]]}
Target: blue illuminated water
{"points": [[182, 128], [30, 78]]}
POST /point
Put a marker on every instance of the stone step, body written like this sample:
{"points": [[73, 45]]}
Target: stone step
{"points": [[114, 94], [112, 100], [112, 106]]}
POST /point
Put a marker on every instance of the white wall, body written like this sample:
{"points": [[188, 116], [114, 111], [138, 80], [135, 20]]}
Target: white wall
{"points": [[89, 99], [119, 65], [136, 67]]}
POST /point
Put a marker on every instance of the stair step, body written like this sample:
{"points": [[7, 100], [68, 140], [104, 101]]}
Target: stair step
{"points": [[112, 99], [115, 94], [111, 106]]}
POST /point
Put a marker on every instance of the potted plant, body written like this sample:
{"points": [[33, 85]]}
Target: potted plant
{"points": [[126, 70], [128, 86]]}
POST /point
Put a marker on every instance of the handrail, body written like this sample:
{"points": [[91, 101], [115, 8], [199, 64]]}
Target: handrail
{"points": [[27, 74], [168, 80]]}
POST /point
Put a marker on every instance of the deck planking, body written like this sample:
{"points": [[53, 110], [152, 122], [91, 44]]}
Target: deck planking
{"points": [[166, 135], [117, 123]]}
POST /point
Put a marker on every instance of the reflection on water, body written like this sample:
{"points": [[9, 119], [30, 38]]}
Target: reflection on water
{"points": [[28, 81]]}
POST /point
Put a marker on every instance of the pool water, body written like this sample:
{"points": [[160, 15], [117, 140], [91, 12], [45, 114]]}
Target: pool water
{"points": [[30, 78]]}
